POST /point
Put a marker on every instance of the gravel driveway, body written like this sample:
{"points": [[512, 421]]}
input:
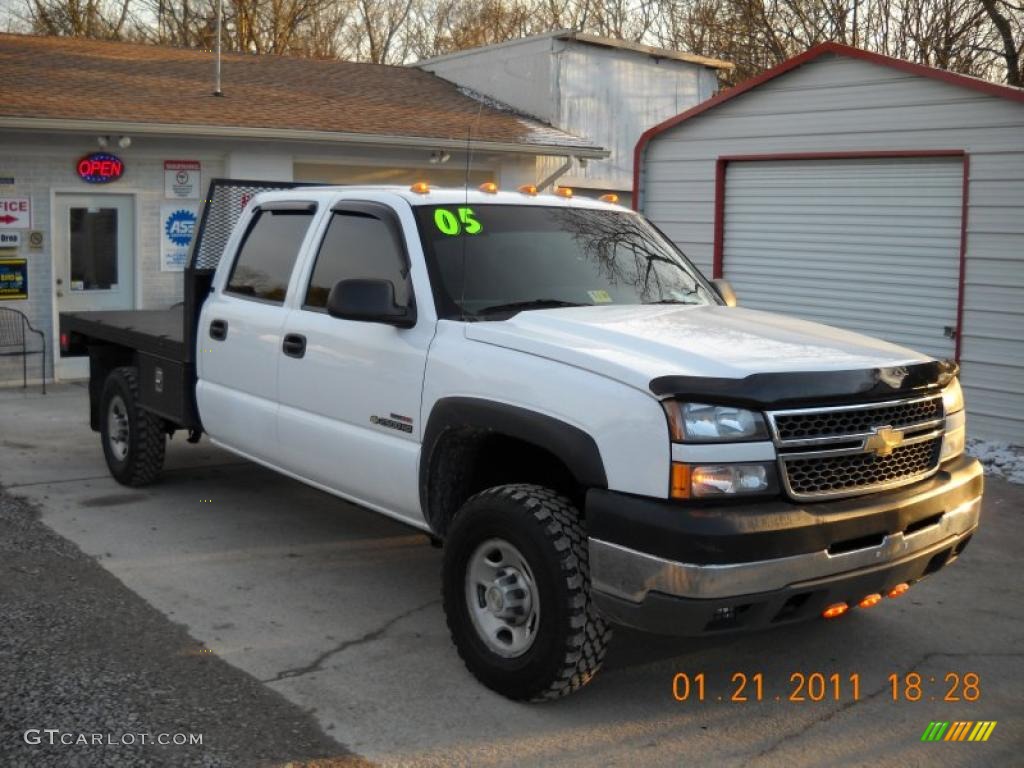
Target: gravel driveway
{"points": [[81, 653]]}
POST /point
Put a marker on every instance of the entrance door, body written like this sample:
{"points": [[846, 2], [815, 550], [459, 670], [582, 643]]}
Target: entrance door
{"points": [[93, 260], [94, 252]]}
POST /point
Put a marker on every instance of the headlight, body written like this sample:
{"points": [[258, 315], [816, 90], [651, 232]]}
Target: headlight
{"points": [[701, 423], [711, 480], [953, 397]]}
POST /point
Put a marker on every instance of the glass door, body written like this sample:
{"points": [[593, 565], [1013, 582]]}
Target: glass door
{"points": [[94, 252]]}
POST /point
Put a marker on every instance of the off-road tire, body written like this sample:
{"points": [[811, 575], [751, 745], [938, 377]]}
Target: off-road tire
{"points": [[571, 637], [147, 439]]}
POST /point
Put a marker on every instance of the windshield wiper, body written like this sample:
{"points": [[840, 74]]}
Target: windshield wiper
{"points": [[673, 301], [518, 306]]}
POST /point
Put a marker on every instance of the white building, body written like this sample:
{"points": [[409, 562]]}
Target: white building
{"points": [[609, 91], [110, 232], [865, 192]]}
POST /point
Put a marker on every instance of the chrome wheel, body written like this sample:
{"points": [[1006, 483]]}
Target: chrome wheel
{"points": [[502, 598], [117, 427]]}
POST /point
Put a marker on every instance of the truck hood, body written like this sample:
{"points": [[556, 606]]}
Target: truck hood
{"points": [[635, 344]]}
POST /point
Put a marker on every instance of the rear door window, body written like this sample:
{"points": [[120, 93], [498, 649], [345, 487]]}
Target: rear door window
{"points": [[265, 261]]}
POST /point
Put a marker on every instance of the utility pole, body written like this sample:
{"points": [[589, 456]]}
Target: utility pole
{"points": [[220, 12]]}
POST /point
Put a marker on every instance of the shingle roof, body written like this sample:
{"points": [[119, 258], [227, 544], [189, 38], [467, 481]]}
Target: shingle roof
{"points": [[73, 79]]}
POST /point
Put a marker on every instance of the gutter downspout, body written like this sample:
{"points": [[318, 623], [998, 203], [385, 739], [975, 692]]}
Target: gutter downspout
{"points": [[557, 174]]}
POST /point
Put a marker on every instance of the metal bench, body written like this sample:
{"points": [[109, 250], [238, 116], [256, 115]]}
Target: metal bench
{"points": [[14, 330]]}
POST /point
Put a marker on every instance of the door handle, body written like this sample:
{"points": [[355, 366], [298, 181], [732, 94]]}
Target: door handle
{"points": [[294, 345], [219, 329]]}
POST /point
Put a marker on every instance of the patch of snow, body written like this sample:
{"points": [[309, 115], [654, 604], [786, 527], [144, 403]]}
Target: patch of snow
{"points": [[1000, 459]]}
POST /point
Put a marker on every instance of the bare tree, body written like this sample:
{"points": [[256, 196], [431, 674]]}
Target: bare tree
{"points": [[104, 19], [1008, 19]]}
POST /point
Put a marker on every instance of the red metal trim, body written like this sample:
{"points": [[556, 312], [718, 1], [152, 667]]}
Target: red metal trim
{"points": [[722, 164], [973, 83], [719, 238], [964, 208]]}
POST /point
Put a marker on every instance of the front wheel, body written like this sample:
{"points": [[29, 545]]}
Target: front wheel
{"points": [[516, 589], [133, 438]]}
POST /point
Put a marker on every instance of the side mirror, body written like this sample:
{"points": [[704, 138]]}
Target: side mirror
{"points": [[371, 301], [725, 291]]}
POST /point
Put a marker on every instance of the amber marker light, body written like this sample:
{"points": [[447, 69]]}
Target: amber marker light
{"points": [[563, 191], [420, 188], [489, 187], [898, 590], [528, 189], [680, 481], [609, 198], [870, 600], [835, 610]]}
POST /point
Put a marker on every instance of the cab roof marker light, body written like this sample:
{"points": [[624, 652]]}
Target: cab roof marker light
{"points": [[489, 187], [528, 189], [420, 188], [609, 198], [563, 191], [898, 590]]}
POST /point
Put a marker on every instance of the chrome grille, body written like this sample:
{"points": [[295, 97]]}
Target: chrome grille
{"points": [[837, 451], [841, 422], [831, 475]]}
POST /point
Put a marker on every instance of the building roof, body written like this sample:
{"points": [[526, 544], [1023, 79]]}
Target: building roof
{"points": [[809, 56], [56, 83], [587, 39]]}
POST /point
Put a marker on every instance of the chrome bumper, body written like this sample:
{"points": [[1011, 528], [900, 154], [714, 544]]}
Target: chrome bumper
{"points": [[630, 575]]}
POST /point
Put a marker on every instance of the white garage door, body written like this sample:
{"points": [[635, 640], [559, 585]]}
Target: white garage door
{"points": [[872, 245]]}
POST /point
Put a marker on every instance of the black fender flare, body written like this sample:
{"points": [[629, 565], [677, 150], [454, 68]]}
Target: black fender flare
{"points": [[574, 447]]}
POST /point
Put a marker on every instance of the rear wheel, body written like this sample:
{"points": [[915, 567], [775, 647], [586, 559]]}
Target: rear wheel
{"points": [[517, 593], [133, 438]]}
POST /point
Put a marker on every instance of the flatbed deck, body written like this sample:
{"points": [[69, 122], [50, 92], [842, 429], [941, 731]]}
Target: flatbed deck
{"points": [[159, 332]]}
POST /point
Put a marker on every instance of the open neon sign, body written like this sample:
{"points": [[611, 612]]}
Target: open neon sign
{"points": [[100, 168]]}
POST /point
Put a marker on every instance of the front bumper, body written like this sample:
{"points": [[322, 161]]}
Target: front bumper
{"points": [[688, 569]]}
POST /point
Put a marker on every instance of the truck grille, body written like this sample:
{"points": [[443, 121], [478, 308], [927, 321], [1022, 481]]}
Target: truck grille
{"points": [[796, 426], [831, 475], [840, 451]]}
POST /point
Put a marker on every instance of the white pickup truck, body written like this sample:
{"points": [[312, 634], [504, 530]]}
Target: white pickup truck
{"points": [[547, 387]]}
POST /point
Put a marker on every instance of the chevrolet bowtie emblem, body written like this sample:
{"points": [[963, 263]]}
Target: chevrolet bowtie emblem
{"points": [[883, 441]]}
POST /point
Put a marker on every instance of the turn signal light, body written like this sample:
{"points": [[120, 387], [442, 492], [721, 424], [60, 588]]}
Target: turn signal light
{"points": [[898, 590], [420, 188], [528, 189], [870, 600], [680, 481], [489, 187], [609, 198], [834, 610], [563, 191]]}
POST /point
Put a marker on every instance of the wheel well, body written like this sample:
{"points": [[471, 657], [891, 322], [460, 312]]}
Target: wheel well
{"points": [[467, 460], [103, 358]]}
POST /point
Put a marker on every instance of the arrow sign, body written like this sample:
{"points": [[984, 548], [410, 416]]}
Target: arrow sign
{"points": [[15, 213]]}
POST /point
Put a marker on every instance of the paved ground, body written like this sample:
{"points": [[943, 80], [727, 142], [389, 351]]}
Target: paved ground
{"points": [[337, 609]]}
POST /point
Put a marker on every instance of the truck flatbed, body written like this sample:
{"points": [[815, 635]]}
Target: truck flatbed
{"points": [[159, 332]]}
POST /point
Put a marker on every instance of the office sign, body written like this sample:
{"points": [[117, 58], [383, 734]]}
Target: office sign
{"points": [[15, 213]]}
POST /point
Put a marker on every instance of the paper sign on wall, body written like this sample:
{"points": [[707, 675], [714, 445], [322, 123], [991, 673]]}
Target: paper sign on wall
{"points": [[177, 228], [182, 179], [10, 239], [13, 279]]}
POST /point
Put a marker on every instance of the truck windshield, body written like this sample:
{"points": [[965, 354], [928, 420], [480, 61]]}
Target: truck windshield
{"points": [[488, 262]]}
